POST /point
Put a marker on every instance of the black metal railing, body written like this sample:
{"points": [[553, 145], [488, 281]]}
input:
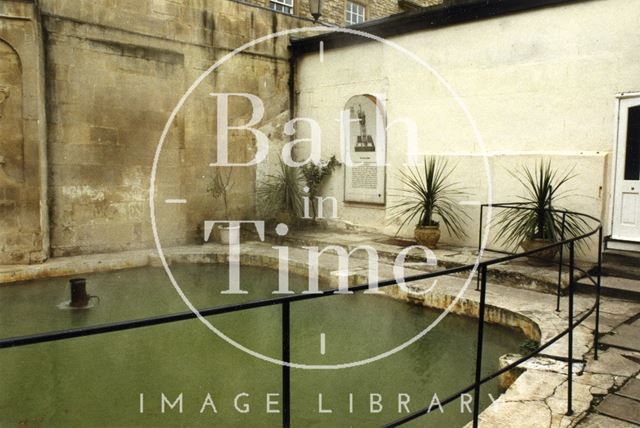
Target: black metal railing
{"points": [[482, 269]]}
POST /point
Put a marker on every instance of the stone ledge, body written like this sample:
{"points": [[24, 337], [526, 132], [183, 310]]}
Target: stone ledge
{"points": [[516, 273]]}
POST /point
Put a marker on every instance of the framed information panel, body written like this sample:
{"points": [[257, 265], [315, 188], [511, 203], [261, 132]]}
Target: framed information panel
{"points": [[364, 180]]}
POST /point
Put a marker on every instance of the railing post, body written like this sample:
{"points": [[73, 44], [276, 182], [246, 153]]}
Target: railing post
{"points": [[596, 332], [479, 245], [570, 349], [286, 375], [479, 344], [564, 217]]}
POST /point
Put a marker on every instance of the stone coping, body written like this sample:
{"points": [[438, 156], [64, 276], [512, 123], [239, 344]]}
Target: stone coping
{"points": [[529, 311], [516, 273], [528, 304]]}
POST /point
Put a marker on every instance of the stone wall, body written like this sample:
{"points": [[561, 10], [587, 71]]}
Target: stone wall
{"points": [[23, 210], [86, 89], [333, 11], [115, 72]]}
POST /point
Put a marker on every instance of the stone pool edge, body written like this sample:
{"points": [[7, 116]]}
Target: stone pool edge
{"points": [[534, 320]]}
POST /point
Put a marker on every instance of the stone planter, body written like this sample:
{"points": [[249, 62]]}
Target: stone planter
{"points": [[224, 233], [542, 258], [427, 236]]}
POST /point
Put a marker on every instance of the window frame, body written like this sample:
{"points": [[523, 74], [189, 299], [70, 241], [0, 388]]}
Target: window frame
{"points": [[282, 6], [349, 12]]}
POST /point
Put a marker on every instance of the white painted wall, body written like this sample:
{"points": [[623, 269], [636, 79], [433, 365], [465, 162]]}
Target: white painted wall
{"points": [[539, 83]]}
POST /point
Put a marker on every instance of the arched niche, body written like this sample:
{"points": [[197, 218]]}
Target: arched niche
{"points": [[11, 117]]}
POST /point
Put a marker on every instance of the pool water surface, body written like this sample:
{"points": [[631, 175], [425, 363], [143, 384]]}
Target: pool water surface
{"points": [[119, 379]]}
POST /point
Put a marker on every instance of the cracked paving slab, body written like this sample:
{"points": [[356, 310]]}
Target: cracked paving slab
{"points": [[616, 362]]}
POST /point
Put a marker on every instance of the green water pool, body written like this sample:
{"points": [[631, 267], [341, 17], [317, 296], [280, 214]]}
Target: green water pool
{"points": [[98, 381]]}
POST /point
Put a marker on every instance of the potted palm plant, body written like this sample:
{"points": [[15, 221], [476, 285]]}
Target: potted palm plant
{"points": [[280, 194], [428, 196], [538, 221]]}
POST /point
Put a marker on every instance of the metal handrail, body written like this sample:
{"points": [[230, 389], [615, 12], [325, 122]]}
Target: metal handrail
{"points": [[491, 376], [482, 266], [482, 280]]}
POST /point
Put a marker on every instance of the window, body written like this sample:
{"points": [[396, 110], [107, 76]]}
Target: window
{"points": [[285, 6], [632, 160], [354, 13]]}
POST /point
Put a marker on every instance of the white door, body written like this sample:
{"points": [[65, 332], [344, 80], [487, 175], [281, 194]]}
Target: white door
{"points": [[626, 205]]}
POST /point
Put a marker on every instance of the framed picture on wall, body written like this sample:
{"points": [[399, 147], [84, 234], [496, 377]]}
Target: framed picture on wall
{"points": [[364, 178]]}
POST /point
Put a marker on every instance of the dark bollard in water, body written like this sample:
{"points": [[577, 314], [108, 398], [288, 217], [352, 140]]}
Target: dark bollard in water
{"points": [[79, 296]]}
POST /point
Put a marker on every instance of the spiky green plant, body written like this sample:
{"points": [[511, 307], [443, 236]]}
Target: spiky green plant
{"points": [[282, 191], [428, 197], [543, 188]]}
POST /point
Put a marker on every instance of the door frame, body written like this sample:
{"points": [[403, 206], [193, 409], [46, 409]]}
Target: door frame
{"points": [[616, 147]]}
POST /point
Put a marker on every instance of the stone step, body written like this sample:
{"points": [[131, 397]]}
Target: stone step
{"points": [[612, 286], [623, 264], [621, 257], [621, 408], [621, 271], [625, 336], [594, 420], [516, 273], [621, 245], [631, 389]]}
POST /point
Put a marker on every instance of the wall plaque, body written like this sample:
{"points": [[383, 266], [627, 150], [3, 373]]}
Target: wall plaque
{"points": [[365, 181]]}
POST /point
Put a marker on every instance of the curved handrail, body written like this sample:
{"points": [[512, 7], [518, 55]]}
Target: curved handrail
{"points": [[568, 331], [495, 374]]}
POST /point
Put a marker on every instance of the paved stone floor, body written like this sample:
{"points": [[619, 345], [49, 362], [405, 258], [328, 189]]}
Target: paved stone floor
{"points": [[621, 406]]}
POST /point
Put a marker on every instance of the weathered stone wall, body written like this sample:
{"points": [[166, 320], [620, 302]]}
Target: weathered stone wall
{"points": [[12, 143], [74, 176], [333, 11], [107, 100], [115, 70], [23, 211]]}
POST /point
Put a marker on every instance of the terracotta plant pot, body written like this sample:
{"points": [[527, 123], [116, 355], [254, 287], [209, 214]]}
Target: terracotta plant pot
{"points": [[542, 258], [427, 236]]}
